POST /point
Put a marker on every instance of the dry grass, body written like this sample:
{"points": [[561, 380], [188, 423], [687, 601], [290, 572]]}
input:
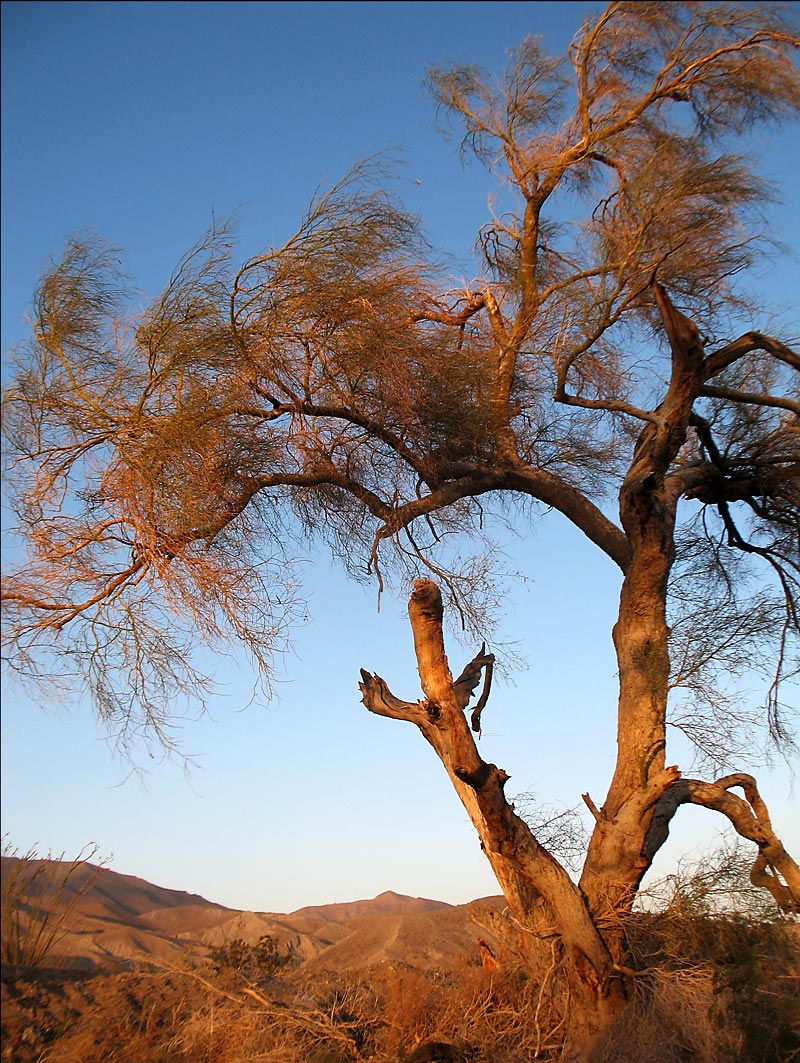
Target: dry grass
{"points": [[720, 990], [38, 898], [205, 1017]]}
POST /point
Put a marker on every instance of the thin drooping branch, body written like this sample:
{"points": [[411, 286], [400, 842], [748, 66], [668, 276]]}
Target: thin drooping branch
{"points": [[347, 414]]}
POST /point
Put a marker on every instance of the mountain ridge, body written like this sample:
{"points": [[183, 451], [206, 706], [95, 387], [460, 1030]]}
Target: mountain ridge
{"points": [[123, 920]]}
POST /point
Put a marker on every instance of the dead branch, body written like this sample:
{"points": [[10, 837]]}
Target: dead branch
{"points": [[377, 697], [773, 869], [466, 683]]}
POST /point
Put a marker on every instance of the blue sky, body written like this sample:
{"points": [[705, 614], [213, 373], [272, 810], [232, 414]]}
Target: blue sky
{"points": [[139, 120]]}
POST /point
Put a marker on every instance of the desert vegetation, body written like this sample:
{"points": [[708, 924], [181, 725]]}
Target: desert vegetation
{"points": [[726, 995], [38, 899], [717, 983], [607, 367]]}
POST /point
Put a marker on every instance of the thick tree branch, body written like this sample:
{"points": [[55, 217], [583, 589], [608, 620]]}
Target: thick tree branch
{"points": [[574, 505], [544, 486], [425, 611], [716, 484], [527, 872], [609, 405], [750, 819], [379, 699], [751, 341], [473, 303], [682, 333]]}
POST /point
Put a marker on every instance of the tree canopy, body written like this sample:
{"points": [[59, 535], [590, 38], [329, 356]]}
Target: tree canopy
{"points": [[605, 363], [162, 462]]}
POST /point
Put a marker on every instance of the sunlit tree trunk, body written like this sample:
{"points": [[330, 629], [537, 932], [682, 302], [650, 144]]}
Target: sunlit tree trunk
{"points": [[543, 902]]}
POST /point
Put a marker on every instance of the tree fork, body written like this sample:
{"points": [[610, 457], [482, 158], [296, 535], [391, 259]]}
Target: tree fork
{"points": [[542, 899]]}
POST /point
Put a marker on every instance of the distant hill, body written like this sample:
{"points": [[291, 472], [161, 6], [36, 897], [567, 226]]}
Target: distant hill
{"points": [[121, 920], [384, 902]]}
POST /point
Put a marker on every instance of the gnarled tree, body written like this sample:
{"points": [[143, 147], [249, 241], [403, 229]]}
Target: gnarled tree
{"points": [[339, 385]]}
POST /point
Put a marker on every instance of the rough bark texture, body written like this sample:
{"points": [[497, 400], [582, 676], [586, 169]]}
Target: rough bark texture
{"points": [[587, 919], [546, 909], [543, 901]]}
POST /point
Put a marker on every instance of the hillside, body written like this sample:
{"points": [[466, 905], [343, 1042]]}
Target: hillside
{"points": [[120, 921], [391, 979]]}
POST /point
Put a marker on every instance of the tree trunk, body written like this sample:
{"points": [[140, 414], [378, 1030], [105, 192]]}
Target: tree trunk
{"points": [[551, 923], [544, 904]]}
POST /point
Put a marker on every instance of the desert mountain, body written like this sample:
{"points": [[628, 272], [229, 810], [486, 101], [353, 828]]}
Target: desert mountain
{"points": [[384, 902], [119, 920]]}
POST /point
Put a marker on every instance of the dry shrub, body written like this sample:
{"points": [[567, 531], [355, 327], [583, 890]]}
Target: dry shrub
{"points": [[502, 1017], [718, 984], [715, 989], [38, 898], [272, 1023], [128, 1018], [721, 972], [668, 1021], [412, 1003], [725, 993]]}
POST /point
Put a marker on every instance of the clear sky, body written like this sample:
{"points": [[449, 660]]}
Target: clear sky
{"points": [[139, 120]]}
